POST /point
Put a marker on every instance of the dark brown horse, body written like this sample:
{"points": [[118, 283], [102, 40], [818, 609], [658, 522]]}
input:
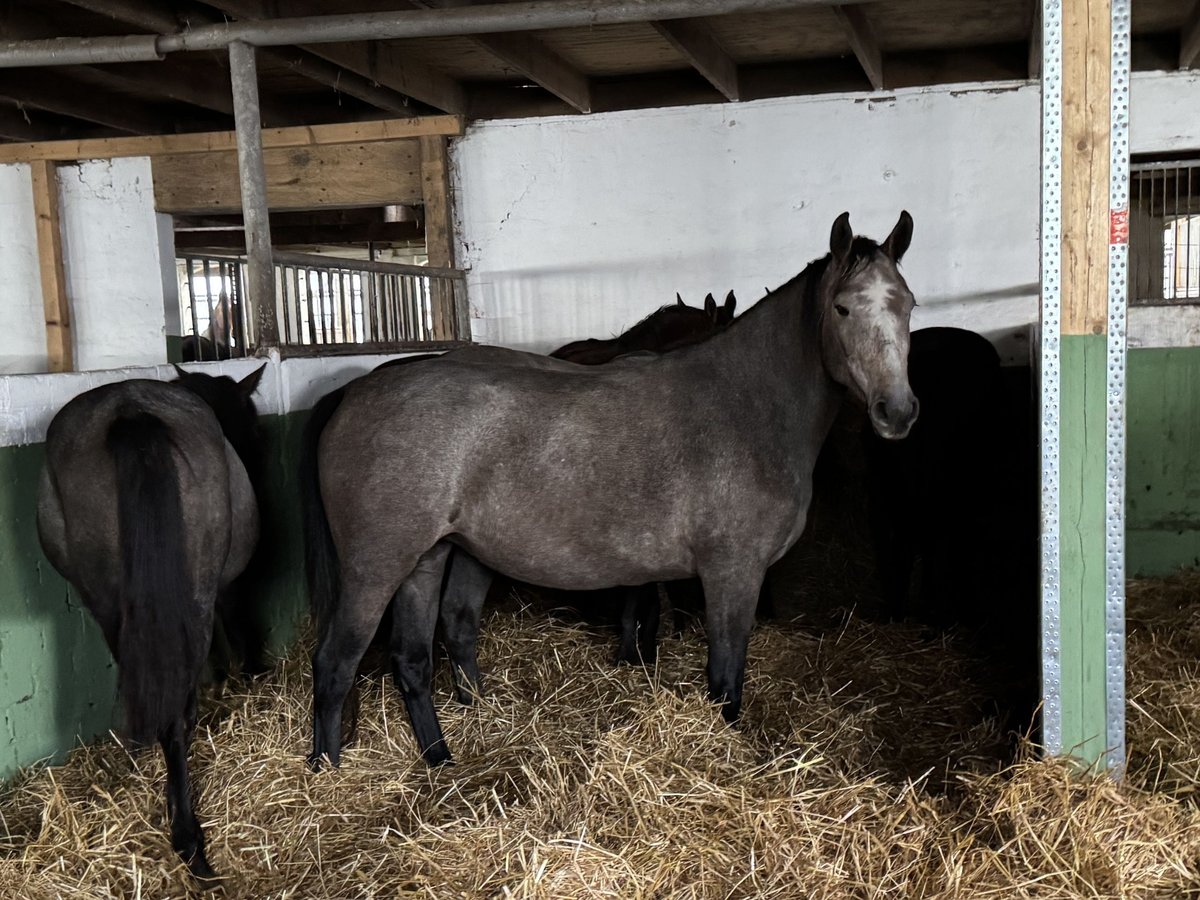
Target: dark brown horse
{"points": [[696, 462], [147, 508]]}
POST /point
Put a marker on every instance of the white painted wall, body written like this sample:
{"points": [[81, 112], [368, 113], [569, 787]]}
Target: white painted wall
{"points": [[23, 335], [111, 261], [579, 226]]}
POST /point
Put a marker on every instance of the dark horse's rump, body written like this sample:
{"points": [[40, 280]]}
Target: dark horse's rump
{"points": [[147, 509], [695, 462]]}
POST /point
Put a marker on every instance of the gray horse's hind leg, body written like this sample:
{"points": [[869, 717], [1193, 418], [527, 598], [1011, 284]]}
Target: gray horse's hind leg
{"points": [[639, 626], [466, 589], [731, 597], [415, 615], [335, 664]]}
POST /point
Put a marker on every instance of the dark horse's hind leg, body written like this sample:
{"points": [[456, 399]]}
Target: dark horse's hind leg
{"points": [[342, 644], [639, 626], [731, 597], [415, 620], [467, 585], [186, 836]]}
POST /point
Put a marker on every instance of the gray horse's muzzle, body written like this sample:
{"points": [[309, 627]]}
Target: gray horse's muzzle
{"points": [[893, 414]]}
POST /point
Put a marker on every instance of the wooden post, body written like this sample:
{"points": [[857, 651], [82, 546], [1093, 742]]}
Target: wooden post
{"points": [[59, 350], [439, 229], [1083, 381]]}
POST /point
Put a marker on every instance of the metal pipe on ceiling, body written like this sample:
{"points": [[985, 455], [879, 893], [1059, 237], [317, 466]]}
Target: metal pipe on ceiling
{"points": [[449, 22]]}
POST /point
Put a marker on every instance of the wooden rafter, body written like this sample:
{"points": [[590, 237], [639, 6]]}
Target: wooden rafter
{"points": [[55, 303], [150, 16], [862, 41], [56, 94], [16, 125], [1189, 38], [525, 54], [382, 63], [1035, 42], [694, 39]]}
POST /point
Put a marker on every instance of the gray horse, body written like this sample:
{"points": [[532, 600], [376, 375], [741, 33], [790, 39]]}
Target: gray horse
{"points": [[698, 462], [146, 507]]}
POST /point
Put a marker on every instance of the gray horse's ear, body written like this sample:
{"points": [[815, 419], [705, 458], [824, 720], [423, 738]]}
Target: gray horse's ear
{"points": [[249, 384], [841, 237], [679, 299], [179, 369], [897, 242], [710, 305], [730, 303]]}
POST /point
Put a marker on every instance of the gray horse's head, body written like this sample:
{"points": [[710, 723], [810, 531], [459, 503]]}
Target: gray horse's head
{"points": [[865, 312]]}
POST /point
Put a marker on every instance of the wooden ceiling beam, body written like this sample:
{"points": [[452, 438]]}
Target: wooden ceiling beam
{"points": [[1189, 38], [56, 94], [525, 54], [150, 16], [15, 125], [1035, 42], [695, 41], [379, 62], [862, 41]]}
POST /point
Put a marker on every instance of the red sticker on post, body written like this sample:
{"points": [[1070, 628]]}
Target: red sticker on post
{"points": [[1118, 230]]}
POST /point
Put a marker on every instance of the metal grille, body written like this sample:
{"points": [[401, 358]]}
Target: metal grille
{"points": [[322, 301], [1164, 233], [213, 314]]}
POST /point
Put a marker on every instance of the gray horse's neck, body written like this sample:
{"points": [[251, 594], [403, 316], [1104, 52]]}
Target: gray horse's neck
{"points": [[772, 354]]}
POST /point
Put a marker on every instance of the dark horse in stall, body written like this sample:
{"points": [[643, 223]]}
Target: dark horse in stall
{"points": [[146, 506], [697, 462]]}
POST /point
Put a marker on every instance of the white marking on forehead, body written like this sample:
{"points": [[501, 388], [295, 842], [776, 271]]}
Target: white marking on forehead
{"points": [[878, 289]]}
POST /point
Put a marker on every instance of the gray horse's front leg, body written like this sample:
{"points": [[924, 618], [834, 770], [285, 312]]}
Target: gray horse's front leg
{"points": [[731, 597]]}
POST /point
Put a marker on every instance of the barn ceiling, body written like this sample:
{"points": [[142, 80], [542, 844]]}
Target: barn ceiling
{"points": [[812, 49]]}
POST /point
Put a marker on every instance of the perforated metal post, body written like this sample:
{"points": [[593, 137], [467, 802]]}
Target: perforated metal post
{"points": [[1050, 356], [1118, 284]]}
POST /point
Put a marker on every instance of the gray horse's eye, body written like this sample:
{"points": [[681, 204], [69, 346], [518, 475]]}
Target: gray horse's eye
{"points": [[841, 310]]}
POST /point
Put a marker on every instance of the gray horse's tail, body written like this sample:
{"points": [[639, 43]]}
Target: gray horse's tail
{"points": [[160, 646], [320, 555]]}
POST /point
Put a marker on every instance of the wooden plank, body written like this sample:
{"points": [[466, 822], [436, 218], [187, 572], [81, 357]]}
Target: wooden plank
{"points": [[55, 303], [67, 97], [1087, 61], [439, 229], [1189, 38], [1035, 42], [209, 141], [862, 41], [695, 41], [17, 125], [345, 175]]}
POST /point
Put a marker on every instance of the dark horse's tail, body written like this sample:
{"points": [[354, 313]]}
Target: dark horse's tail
{"points": [[320, 555], [159, 648]]}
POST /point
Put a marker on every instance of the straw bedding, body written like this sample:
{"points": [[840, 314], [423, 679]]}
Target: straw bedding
{"points": [[866, 767]]}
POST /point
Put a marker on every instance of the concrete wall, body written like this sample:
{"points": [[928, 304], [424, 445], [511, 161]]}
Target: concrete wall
{"points": [[111, 260]]}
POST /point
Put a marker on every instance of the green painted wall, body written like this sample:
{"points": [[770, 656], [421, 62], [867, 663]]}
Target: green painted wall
{"points": [[57, 679], [1163, 473]]}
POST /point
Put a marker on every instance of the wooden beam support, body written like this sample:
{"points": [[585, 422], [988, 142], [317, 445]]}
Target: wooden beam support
{"points": [[382, 63], [695, 41], [55, 303], [210, 141], [345, 175], [862, 41], [16, 126], [1085, 167], [1189, 38], [439, 227], [56, 94], [525, 54]]}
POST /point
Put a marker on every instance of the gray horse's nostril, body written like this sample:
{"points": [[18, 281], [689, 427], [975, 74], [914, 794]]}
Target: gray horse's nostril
{"points": [[879, 411]]}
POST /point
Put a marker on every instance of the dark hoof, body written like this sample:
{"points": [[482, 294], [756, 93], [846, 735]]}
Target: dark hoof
{"points": [[464, 699], [317, 760], [437, 756], [200, 869]]}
